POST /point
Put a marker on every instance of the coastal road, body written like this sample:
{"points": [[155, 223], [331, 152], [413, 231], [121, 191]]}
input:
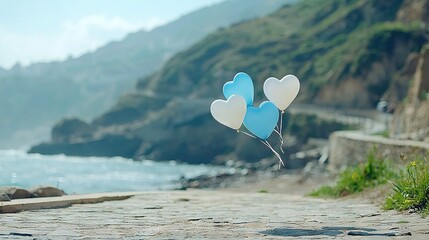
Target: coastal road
{"points": [[369, 121], [200, 214]]}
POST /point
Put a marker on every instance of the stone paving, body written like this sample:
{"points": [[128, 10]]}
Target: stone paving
{"points": [[199, 214]]}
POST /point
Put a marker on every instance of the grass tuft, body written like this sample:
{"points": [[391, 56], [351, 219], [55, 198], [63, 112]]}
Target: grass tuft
{"points": [[375, 171], [410, 185], [411, 188]]}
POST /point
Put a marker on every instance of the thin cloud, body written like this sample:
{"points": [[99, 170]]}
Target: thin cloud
{"points": [[75, 38]]}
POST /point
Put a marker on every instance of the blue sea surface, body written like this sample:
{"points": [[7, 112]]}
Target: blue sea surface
{"points": [[78, 175]]}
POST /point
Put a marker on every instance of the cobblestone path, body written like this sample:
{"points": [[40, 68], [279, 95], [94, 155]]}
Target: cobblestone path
{"points": [[199, 214]]}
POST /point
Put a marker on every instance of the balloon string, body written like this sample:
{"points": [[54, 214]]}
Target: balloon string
{"points": [[281, 129], [267, 144], [278, 131], [248, 134]]}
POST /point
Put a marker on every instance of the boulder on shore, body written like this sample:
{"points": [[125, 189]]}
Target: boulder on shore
{"points": [[16, 193], [11, 192], [4, 197], [46, 191]]}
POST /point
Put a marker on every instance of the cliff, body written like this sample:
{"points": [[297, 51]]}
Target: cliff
{"points": [[411, 120], [346, 53]]}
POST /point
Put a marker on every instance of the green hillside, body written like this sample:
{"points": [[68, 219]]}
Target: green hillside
{"points": [[331, 45], [32, 98]]}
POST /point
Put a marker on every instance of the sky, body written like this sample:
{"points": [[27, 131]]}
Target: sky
{"points": [[45, 30]]}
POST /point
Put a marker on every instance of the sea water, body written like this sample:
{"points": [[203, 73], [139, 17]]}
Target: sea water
{"points": [[77, 175]]}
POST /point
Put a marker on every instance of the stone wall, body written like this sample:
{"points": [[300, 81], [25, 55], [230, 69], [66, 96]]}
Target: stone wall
{"points": [[347, 148]]}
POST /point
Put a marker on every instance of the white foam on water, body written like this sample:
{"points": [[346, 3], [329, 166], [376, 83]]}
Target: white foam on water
{"points": [[93, 174]]}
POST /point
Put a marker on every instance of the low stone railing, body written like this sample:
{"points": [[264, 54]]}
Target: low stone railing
{"points": [[347, 148]]}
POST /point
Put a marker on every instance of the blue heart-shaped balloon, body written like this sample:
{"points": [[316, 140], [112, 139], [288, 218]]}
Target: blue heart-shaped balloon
{"points": [[241, 85], [261, 121]]}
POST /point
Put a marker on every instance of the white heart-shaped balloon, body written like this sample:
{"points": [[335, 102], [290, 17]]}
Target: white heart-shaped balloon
{"points": [[282, 92], [230, 112]]}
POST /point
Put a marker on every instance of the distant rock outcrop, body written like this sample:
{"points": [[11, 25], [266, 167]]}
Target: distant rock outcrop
{"points": [[181, 129], [69, 130], [107, 145]]}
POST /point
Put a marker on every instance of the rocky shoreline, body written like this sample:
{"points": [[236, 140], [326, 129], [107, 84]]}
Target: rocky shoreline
{"points": [[262, 176]]}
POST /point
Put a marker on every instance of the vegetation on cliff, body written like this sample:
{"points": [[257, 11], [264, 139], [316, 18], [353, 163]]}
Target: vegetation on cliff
{"points": [[346, 53]]}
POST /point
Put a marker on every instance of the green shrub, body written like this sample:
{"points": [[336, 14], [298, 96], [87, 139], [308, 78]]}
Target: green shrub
{"points": [[373, 172], [384, 133], [411, 188]]}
